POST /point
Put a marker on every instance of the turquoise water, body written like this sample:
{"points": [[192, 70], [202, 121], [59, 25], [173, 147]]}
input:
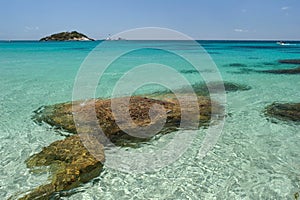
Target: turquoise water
{"points": [[253, 159]]}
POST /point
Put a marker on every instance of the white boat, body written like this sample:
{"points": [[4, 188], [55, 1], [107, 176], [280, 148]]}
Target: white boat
{"points": [[110, 38], [281, 43], [284, 44]]}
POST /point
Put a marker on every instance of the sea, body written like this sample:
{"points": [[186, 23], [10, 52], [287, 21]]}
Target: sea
{"points": [[254, 157]]}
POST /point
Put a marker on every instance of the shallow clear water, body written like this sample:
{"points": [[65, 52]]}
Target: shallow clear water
{"points": [[253, 159]]}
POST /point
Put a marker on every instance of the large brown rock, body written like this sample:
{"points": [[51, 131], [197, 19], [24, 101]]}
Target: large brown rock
{"points": [[61, 115], [72, 164]]}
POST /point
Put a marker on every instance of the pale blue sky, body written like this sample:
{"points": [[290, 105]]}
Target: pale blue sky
{"points": [[200, 19]]}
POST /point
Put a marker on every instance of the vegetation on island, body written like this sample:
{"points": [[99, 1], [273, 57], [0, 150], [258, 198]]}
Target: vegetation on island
{"points": [[67, 36]]}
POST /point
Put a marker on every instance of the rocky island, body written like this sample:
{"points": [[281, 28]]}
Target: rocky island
{"points": [[67, 36]]}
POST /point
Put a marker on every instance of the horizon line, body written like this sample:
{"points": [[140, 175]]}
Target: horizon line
{"points": [[37, 40]]}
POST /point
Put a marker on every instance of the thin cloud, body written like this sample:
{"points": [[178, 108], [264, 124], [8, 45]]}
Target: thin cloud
{"points": [[30, 28], [240, 30], [285, 8]]}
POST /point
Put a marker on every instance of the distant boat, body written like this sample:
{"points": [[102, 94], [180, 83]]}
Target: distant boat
{"points": [[110, 38], [281, 43], [284, 44]]}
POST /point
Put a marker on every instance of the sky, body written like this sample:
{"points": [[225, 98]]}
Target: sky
{"points": [[199, 19]]}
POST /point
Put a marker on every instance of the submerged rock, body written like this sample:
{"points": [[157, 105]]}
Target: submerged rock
{"points": [[71, 164], [202, 89], [282, 71], [243, 71], [237, 65], [296, 196], [61, 115], [217, 87], [284, 111], [290, 61], [189, 71], [229, 86], [270, 63]]}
